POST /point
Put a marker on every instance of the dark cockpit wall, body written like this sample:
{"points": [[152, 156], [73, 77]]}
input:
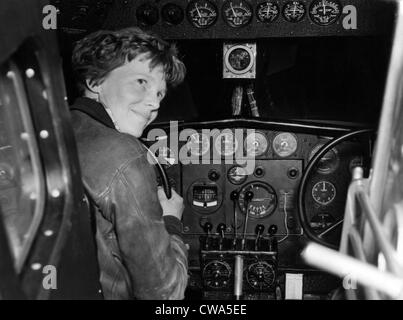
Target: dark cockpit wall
{"points": [[46, 239]]}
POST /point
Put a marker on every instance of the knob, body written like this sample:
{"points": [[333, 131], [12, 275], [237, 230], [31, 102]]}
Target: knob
{"points": [[147, 15], [207, 227], [213, 175], [259, 229], [248, 195], [272, 230], [234, 195], [221, 229]]}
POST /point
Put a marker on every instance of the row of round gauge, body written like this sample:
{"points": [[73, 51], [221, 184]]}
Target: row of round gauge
{"points": [[256, 144], [239, 13]]}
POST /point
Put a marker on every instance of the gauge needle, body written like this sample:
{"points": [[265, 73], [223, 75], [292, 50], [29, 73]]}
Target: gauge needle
{"points": [[323, 187], [324, 7], [198, 11], [233, 11]]}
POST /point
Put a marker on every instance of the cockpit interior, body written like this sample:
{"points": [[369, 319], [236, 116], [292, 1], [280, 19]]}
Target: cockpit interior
{"points": [[280, 104]]}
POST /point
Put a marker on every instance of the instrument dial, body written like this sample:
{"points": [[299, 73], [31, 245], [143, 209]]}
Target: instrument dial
{"points": [[226, 144], [237, 175], [237, 13], [172, 14], [328, 163], [285, 144], [267, 11], [202, 13], [294, 11], [255, 144], [260, 275], [198, 144], [216, 274], [264, 200], [324, 192], [325, 12]]}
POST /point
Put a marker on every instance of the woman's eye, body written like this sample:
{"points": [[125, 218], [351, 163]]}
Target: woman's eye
{"points": [[142, 81]]}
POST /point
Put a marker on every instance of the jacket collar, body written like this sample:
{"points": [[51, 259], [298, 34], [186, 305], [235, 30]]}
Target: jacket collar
{"points": [[93, 109]]}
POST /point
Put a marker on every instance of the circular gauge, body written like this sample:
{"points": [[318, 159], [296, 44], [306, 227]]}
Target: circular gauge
{"points": [[237, 175], [237, 13], [255, 144], [147, 15], [239, 59], [324, 192], [172, 13], [324, 12], [226, 144], [328, 163], [260, 275], [264, 200], [216, 274], [285, 144], [294, 11], [322, 221], [202, 13], [267, 11], [198, 144]]}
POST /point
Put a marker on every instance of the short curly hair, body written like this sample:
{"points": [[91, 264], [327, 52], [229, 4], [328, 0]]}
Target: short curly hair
{"points": [[100, 52]]}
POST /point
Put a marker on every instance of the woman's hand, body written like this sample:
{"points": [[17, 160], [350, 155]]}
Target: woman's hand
{"points": [[171, 207]]}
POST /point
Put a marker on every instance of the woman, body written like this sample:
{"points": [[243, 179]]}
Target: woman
{"points": [[123, 76]]}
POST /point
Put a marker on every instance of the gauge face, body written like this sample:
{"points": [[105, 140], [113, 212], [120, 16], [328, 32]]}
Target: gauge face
{"points": [[294, 11], [147, 14], [267, 11], [323, 192], [324, 12], [226, 144], [285, 144], [172, 13], [216, 274], [202, 13], [237, 13], [237, 175], [322, 221], [328, 163], [255, 144], [198, 144], [264, 200], [260, 275], [239, 59]]}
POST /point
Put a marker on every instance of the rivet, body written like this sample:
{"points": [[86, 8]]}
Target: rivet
{"points": [[186, 229], [48, 233], [29, 72], [24, 136], [55, 193], [44, 134], [45, 94], [36, 266]]}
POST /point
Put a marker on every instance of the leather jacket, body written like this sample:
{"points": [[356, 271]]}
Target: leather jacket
{"points": [[141, 254]]}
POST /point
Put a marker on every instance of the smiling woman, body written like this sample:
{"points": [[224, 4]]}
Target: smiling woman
{"points": [[123, 76]]}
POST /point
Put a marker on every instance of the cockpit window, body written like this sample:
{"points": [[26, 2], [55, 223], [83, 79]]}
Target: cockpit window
{"points": [[22, 192]]}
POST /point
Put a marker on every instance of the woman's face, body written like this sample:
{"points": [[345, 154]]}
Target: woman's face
{"points": [[133, 93]]}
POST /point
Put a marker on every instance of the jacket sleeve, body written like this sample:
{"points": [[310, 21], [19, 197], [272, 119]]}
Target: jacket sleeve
{"points": [[155, 259]]}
